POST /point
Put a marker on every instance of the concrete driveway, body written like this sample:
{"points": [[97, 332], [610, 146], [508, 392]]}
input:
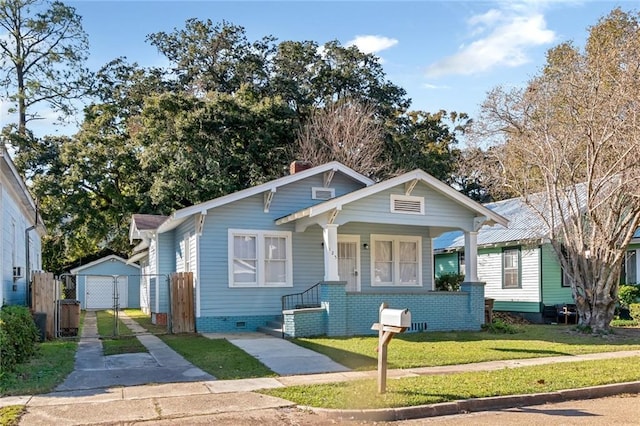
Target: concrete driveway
{"points": [[93, 370]]}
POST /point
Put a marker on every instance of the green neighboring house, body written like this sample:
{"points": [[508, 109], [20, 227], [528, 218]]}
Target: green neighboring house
{"points": [[517, 263]]}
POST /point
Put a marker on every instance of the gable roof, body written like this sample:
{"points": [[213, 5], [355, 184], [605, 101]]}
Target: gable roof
{"points": [[25, 201], [148, 221], [419, 175], [180, 216], [144, 222], [112, 257], [524, 225]]}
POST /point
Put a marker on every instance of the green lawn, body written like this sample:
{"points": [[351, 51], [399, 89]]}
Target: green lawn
{"points": [[406, 392], [122, 343], [145, 321], [52, 363], [217, 357], [10, 416], [448, 348]]}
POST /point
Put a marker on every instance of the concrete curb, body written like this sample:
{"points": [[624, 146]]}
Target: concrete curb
{"points": [[476, 404]]}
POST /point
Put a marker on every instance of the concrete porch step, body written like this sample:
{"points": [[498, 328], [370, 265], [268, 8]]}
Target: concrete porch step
{"points": [[273, 328], [275, 332]]}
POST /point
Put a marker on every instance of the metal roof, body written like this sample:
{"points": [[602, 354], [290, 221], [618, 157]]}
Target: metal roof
{"points": [[524, 225]]}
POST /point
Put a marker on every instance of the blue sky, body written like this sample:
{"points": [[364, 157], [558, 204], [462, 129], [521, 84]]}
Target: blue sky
{"points": [[445, 54]]}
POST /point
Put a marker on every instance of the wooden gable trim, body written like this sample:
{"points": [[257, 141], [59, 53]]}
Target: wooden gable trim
{"points": [[200, 222], [410, 186], [328, 177], [268, 197]]}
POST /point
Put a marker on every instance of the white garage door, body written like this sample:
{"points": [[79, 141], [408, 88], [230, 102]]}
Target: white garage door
{"points": [[99, 292]]}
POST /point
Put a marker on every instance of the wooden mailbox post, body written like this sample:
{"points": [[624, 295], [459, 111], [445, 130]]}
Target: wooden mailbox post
{"points": [[390, 322]]}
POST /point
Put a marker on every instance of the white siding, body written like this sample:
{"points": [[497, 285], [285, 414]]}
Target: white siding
{"points": [[14, 241], [490, 272]]}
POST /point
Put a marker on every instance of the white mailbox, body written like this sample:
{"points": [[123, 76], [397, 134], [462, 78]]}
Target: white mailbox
{"points": [[396, 317]]}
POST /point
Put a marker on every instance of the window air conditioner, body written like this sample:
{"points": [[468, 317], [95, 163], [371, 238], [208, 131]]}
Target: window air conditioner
{"points": [[17, 271]]}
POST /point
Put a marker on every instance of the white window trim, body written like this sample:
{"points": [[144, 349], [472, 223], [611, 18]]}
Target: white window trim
{"points": [[316, 189], [518, 257], [186, 253], [396, 239], [260, 276]]}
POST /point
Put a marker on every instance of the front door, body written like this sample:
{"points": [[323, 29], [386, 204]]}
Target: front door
{"points": [[349, 261]]}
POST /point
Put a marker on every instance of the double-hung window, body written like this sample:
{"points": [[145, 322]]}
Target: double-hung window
{"points": [[260, 259], [511, 268], [397, 260]]}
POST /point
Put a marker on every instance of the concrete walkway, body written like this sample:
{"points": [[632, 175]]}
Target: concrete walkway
{"points": [[160, 365], [281, 356]]}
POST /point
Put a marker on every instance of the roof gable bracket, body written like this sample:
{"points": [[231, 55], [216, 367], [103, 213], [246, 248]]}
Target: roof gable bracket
{"points": [[304, 223], [410, 186], [268, 197], [333, 214], [200, 222], [478, 221], [328, 177]]}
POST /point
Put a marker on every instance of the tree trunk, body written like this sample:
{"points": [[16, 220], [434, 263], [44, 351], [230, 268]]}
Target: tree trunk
{"points": [[595, 312]]}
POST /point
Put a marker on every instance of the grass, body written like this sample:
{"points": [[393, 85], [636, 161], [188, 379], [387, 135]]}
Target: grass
{"points": [[125, 343], [448, 348], [217, 357], [10, 416], [433, 389], [145, 321], [53, 362]]}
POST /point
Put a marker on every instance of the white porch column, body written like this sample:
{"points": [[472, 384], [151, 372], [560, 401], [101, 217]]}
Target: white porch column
{"points": [[330, 238], [471, 256]]}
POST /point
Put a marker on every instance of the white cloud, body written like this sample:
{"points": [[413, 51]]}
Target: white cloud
{"points": [[504, 38], [372, 43], [434, 86]]}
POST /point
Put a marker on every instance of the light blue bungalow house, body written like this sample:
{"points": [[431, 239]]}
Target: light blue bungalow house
{"points": [[96, 283], [320, 250], [21, 232], [520, 268]]}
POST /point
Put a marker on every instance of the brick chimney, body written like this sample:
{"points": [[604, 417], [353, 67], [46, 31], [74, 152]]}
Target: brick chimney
{"points": [[298, 166]]}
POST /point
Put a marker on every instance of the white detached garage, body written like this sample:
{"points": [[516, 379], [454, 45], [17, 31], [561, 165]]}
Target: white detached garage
{"points": [[109, 279]]}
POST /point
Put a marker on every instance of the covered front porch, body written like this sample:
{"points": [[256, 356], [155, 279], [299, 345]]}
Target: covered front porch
{"points": [[377, 247]]}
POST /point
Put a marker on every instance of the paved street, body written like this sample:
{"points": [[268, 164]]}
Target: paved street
{"points": [[615, 410]]}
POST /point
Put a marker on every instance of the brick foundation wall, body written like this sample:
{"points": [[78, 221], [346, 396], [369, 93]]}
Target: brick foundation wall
{"points": [[354, 313], [305, 322], [230, 324]]}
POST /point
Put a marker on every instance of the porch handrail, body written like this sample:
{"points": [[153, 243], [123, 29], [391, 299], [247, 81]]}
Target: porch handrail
{"points": [[310, 298]]}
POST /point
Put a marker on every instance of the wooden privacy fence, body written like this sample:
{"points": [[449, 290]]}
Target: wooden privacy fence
{"points": [[44, 295], [182, 312]]}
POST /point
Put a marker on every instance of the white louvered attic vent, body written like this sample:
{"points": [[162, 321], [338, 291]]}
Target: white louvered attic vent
{"points": [[319, 193], [407, 204]]}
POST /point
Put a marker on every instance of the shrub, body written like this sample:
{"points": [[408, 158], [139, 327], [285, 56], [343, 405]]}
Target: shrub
{"points": [[18, 336], [624, 323], [634, 310], [499, 326], [449, 282], [628, 294]]}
